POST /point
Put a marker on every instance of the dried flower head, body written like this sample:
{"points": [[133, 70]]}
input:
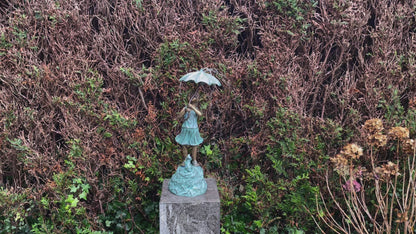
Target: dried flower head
{"points": [[392, 168], [401, 217], [399, 133], [367, 175], [412, 103], [360, 172], [340, 162], [378, 140], [341, 165], [373, 126], [409, 146], [387, 170], [352, 151]]}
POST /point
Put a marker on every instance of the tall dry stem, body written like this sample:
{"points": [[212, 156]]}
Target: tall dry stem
{"points": [[390, 185]]}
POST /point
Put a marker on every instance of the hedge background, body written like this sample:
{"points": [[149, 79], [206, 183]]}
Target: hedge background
{"points": [[89, 92]]}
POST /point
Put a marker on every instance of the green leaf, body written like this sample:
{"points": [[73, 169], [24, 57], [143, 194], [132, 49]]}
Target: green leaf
{"points": [[74, 202], [208, 150], [290, 33], [83, 195], [258, 223], [71, 202], [74, 189], [108, 223], [85, 187]]}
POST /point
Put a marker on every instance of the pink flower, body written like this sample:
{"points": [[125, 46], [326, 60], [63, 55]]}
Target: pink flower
{"points": [[354, 183]]}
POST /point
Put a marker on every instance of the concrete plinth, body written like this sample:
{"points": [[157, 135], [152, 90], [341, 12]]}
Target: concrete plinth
{"points": [[180, 215]]}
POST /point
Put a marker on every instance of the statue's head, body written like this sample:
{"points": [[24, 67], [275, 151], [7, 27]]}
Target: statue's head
{"points": [[194, 100]]}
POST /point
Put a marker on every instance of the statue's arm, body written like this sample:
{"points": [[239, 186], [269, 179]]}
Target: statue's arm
{"points": [[181, 113], [198, 112]]}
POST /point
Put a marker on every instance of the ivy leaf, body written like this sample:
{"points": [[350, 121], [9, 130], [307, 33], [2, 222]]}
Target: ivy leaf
{"points": [[108, 223], [83, 195], [74, 189], [208, 150], [85, 187], [71, 202], [74, 202]]}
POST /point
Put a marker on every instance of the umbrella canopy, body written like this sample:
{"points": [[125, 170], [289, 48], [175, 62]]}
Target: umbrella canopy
{"points": [[200, 76]]}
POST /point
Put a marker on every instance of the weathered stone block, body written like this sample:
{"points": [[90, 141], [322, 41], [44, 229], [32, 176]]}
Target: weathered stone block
{"points": [[200, 214]]}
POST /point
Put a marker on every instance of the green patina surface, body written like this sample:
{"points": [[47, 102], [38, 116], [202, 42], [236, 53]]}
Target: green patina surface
{"points": [[188, 180]]}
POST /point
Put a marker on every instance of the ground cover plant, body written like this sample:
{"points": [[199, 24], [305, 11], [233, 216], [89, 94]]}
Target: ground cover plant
{"points": [[89, 92]]}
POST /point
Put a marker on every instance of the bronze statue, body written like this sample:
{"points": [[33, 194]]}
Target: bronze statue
{"points": [[189, 135], [188, 179]]}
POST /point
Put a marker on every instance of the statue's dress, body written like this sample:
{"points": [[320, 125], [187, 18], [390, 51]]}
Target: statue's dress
{"points": [[190, 133]]}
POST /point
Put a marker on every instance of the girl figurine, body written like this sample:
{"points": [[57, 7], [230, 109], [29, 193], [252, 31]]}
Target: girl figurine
{"points": [[189, 135]]}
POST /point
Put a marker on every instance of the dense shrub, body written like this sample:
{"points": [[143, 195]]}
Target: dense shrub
{"points": [[89, 91]]}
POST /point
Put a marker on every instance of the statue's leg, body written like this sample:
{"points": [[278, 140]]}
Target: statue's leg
{"points": [[185, 154], [194, 151]]}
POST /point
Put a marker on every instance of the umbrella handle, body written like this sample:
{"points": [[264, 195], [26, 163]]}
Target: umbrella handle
{"points": [[193, 96]]}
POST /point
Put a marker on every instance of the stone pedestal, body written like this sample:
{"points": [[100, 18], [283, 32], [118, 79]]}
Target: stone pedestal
{"points": [[180, 215]]}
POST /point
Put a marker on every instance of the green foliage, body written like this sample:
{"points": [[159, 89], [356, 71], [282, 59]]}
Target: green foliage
{"points": [[75, 148], [89, 95], [278, 189], [136, 77], [4, 44], [410, 121], [176, 53], [296, 10], [214, 22], [16, 208], [394, 111], [212, 156], [223, 30], [20, 35], [119, 121], [116, 218], [138, 4], [91, 89], [10, 118], [119, 213], [292, 8], [42, 226], [81, 187], [290, 165], [17, 144]]}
